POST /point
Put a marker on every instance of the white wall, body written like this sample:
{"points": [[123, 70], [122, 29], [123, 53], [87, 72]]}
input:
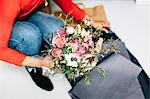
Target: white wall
{"points": [[143, 1], [148, 36]]}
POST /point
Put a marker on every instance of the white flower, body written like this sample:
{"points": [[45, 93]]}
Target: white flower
{"points": [[84, 33], [70, 30], [99, 45], [88, 22], [72, 60], [78, 28], [47, 72], [74, 47]]}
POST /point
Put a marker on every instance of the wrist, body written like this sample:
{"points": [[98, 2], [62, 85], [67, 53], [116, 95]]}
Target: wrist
{"points": [[42, 62], [32, 61]]}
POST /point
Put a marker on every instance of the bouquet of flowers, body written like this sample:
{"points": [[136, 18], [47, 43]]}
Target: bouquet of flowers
{"points": [[75, 50]]}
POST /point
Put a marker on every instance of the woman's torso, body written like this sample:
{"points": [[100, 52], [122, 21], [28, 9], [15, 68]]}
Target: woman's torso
{"points": [[27, 6]]}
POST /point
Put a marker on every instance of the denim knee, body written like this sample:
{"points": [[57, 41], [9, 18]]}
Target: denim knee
{"points": [[47, 24], [26, 38]]}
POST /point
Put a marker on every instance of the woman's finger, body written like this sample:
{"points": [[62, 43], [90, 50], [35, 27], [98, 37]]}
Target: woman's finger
{"points": [[104, 29], [103, 24]]}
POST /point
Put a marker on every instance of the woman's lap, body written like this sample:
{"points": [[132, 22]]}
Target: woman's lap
{"points": [[27, 35], [26, 38]]}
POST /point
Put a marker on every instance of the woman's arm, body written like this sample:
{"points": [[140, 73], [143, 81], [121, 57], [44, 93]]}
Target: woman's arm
{"points": [[37, 62], [9, 13], [68, 6]]}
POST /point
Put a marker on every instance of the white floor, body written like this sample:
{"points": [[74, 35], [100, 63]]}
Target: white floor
{"points": [[16, 83], [128, 20]]}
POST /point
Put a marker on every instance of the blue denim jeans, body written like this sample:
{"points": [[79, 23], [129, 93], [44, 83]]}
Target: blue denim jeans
{"points": [[27, 35]]}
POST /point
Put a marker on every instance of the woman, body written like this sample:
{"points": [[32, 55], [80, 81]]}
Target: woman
{"points": [[22, 29]]}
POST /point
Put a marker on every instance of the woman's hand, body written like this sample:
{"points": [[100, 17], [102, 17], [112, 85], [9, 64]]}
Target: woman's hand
{"points": [[47, 61], [37, 62], [104, 26]]}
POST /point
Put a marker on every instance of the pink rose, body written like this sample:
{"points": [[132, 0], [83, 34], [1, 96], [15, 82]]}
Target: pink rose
{"points": [[80, 51], [61, 31], [56, 52], [91, 43], [85, 45], [59, 41], [75, 41]]}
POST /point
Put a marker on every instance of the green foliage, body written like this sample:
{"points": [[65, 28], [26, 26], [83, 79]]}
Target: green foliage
{"points": [[67, 50], [102, 72]]}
